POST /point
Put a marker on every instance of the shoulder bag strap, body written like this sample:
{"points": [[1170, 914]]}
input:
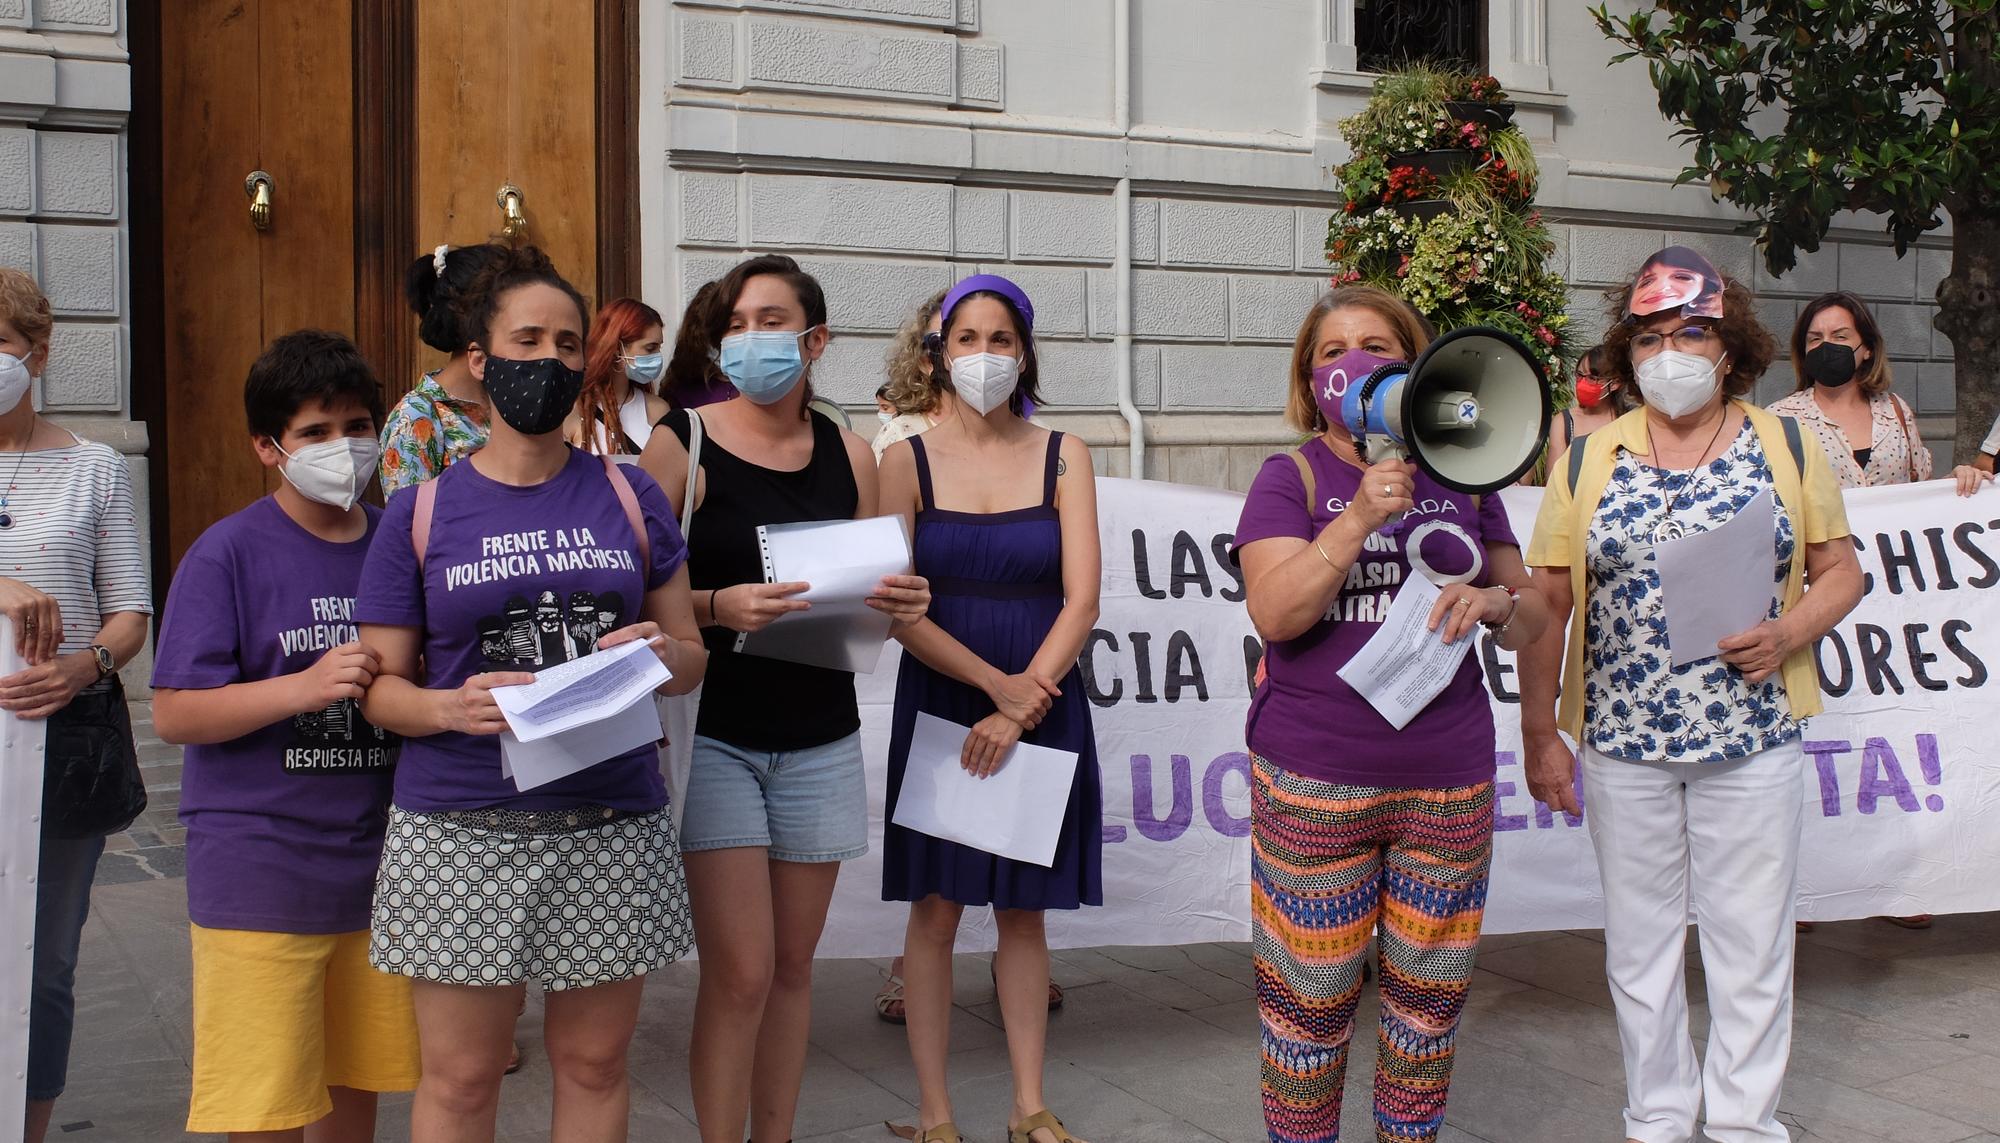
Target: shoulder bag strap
{"points": [[695, 434], [420, 519], [1909, 440], [629, 501]]}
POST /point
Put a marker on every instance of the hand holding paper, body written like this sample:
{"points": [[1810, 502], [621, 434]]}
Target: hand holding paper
{"points": [[1703, 608], [1017, 813], [1405, 664], [577, 714]]}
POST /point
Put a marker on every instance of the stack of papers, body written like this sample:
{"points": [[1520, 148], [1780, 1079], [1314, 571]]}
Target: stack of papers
{"points": [[1016, 813], [580, 713], [842, 562], [1404, 664]]}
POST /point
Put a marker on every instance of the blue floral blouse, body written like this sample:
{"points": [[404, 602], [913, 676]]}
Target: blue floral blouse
{"points": [[1637, 704]]}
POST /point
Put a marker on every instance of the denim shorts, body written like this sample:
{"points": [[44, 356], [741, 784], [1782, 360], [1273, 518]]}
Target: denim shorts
{"points": [[806, 805]]}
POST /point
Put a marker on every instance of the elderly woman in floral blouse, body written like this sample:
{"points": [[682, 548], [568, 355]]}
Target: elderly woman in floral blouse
{"points": [[1693, 772]]}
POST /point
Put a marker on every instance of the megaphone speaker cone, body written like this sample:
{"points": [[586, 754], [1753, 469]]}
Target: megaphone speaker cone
{"points": [[1477, 407]]}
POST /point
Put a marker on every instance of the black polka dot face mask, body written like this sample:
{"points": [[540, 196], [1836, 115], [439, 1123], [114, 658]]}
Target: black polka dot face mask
{"points": [[534, 396]]}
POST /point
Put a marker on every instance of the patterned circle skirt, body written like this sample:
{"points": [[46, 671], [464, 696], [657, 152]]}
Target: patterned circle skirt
{"points": [[498, 898]]}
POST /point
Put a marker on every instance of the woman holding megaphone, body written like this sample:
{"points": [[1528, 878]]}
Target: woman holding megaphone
{"points": [[1691, 763], [1354, 821]]}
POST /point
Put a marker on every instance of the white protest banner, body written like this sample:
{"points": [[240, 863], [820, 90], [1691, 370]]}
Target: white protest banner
{"points": [[1902, 794], [21, 747]]}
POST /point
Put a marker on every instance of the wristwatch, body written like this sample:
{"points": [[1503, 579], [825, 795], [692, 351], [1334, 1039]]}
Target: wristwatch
{"points": [[106, 665]]}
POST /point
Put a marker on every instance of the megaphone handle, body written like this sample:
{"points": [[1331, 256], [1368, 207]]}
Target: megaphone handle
{"points": [[1381, 447]]}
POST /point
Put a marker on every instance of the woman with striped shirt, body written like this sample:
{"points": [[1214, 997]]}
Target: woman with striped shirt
{"points": [[78, 597]]}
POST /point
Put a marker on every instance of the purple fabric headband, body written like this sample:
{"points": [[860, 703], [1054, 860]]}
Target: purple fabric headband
{"points": [[988, 283]]}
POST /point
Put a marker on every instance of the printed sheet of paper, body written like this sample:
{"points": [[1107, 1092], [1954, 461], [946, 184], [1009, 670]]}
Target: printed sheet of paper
{"points": [[843, 561], [580, 713], [1404, 665], [1719, 583], [1015, 813]]}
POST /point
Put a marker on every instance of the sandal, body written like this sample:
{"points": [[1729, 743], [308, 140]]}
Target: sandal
{"points": [[1042, 1120], [946, 1132], [889, 1001], [1915, 921]]}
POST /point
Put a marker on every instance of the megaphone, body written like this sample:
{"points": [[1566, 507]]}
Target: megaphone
{"points": [[1472, 410]]}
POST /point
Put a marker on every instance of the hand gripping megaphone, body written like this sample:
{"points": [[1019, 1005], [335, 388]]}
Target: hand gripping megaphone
{"points": [[1472, 410]]}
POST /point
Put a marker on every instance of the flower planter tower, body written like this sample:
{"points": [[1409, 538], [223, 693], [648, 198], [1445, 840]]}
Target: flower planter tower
{"points": [[1438, 205]]}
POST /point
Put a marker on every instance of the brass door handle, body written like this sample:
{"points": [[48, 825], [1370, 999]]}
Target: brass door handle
{"points": [[513, 222], [258, 185]]}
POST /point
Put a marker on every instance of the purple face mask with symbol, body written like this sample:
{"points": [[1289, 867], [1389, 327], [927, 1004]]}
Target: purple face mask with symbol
{"points": [[1332, 380]]}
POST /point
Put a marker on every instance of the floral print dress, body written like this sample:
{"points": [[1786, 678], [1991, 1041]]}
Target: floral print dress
{"points": [[1638, 706], [428, 431]]}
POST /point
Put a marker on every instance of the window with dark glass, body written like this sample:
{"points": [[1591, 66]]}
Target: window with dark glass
{"points": [[1391, 33]]}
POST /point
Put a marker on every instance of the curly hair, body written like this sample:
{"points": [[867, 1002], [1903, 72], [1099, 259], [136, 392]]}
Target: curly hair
{"points": [[430, 292], [1301, 411], [477, 303], [913, 388], [1750, 346], [24, 306]]}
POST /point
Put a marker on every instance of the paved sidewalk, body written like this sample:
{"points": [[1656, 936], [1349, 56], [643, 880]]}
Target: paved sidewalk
{"points": [[1898, 1036]]}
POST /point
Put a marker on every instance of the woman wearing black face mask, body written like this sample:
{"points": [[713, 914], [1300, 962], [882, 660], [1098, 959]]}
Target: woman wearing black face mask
{"points": [[1843, 396], [575, 883]]}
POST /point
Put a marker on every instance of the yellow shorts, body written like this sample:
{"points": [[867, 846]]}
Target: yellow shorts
{"points": [[281, 1017]]}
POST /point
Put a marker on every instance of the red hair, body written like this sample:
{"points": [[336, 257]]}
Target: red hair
{"points": [[620, 321]]}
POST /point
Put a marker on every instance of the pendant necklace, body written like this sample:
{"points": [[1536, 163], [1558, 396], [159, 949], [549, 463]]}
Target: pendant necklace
{"points": [[1669, 529], [6, 516]]}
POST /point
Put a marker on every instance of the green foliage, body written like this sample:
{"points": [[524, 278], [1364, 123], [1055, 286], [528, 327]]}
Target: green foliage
{"points": [[1484, 259], [1798, 109]]}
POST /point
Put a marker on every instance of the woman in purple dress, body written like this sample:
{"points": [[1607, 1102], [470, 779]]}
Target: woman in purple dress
{"points": [[1005, 518]]}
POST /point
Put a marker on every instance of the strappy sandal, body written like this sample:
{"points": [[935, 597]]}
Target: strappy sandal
{"points": [[946, 1132], [1042, 1120], [891, 994]]}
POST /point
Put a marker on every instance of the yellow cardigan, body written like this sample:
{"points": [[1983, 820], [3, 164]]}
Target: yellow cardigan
{"points": [[1811, 498]]}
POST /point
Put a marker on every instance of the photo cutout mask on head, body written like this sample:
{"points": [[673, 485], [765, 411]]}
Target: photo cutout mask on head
{"points": [[1676, 279]]}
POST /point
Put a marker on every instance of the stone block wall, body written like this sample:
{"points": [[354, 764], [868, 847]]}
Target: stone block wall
{"points": [[65, 97], [860, 136]]}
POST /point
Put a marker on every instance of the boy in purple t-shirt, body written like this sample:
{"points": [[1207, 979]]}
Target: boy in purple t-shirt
{"points": [[284, 785]]}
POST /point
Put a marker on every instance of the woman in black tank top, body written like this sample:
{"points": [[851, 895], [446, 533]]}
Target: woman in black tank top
{"points": [[776, 798]]}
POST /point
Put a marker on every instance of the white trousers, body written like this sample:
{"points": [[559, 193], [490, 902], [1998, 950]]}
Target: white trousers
{"points": [[1724, 838]]}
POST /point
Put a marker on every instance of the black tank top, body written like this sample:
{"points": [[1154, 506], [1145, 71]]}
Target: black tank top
{"points": [[747, 700]]}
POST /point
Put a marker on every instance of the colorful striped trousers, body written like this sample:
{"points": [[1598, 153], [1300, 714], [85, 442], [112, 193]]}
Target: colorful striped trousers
{"points": [[1328, 864]]}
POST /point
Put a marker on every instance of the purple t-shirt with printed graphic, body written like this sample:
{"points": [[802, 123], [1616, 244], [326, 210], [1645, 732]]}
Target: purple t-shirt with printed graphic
{"points": [[284, 825], [516, 579], [1305, 718]]}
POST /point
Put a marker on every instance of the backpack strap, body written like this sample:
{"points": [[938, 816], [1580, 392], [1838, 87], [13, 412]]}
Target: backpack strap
{"points": [[1298, 456], [629, 501], [420, 519], [1795, 443], [1574, 454]]}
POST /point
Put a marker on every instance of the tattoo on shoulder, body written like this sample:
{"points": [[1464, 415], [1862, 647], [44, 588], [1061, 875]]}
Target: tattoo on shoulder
{"points": [[1062, 466]]}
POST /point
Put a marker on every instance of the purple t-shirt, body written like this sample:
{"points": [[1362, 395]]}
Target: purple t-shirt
{"points": [[516, 579], [284, 825], [1305, 718]]}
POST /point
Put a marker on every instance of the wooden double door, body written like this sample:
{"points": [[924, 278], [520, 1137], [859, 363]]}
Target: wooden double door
{"points": [[374, 130]]}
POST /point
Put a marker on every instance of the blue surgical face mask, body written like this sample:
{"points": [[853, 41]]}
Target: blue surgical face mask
{"points": [[645, 368], [764, 364]]}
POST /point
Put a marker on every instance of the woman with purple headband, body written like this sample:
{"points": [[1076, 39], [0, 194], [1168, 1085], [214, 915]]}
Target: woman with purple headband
{"points": [[1005, 519]]}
